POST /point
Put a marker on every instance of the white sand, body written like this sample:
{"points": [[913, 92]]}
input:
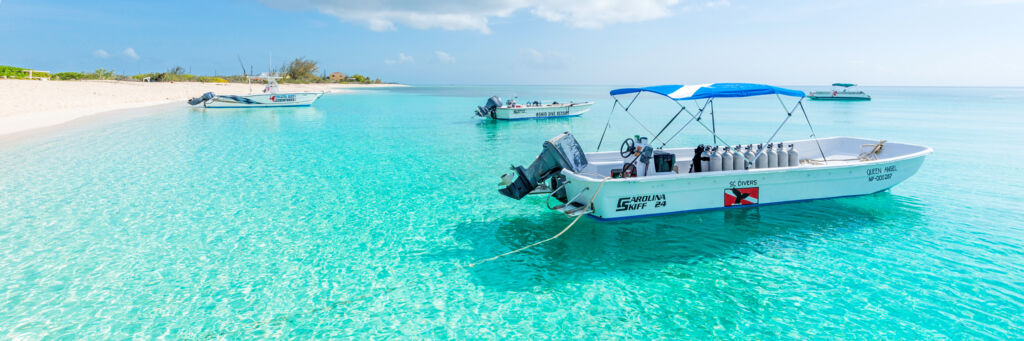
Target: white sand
{"points": [[33, 104]]}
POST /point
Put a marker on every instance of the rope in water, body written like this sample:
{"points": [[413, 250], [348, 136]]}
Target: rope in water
{"points": [[566, 229]]}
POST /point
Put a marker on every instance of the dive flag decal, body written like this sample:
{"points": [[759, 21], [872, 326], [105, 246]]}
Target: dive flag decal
{"points": [[740, 196]]}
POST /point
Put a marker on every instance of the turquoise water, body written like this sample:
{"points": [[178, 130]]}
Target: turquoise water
{"points": [[357, 217]]}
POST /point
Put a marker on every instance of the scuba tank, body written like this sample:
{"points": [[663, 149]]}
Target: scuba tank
{"points": [[783, 155], [737, 158], [794, 156], [705, 159], [773, 158], [727, 162], [716, 159], [749, 157], [762, 160]]}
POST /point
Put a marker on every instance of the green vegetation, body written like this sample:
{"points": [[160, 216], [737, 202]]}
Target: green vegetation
{"points": [[299, 70], [19, 73], [68, 76]]}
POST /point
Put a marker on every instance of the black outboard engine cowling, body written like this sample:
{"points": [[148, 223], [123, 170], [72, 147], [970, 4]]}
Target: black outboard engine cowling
{"points": [[560, 152], [205, 97], [487, 110]]}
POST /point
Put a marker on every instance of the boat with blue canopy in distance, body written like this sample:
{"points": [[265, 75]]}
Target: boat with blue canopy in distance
{"points": [[840, 95], [511, 110], [644, 178]]}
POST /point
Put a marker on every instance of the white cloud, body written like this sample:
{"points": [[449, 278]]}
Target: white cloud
{"points": [[444, 57], [383, 15], [402, 58], [538, 60], [130, 53], [101, 53]]}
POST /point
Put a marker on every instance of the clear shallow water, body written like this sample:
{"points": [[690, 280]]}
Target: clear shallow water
{"points": [[357, 218]]}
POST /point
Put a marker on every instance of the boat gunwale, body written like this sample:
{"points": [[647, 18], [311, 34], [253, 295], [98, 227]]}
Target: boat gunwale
{"points": [[591, 179], [559, 105]]}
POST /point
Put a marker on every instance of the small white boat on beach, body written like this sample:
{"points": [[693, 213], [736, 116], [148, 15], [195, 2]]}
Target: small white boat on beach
{"points": [[510, 110], [643, 178], [271, 97], [840, 95]]}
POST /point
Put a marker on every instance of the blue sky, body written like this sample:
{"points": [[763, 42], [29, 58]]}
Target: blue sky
{"points": [[967, 42]]}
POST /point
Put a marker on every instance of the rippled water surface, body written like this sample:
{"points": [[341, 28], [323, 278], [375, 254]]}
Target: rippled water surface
{"points": [[359, 216]]}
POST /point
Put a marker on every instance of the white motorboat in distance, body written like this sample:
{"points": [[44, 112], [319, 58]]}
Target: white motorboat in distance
{"points": [[271, 97], [643, 179], [840, 95], [510, 110]]}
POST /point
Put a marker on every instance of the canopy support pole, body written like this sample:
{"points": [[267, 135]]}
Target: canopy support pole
{"points": [[677, 131], [713, 129], [813, 134], [695, 117], [789, 113], [765, 149], [608, 123], [669, 123], [636, 119]]}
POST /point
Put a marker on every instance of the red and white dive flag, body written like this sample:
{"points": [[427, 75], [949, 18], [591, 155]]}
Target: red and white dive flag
{"points": [[740, 196]]}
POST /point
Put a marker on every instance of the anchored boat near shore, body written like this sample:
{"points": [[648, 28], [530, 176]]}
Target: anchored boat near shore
{"points": [[643, 178], [510, 110], [271, 97]]}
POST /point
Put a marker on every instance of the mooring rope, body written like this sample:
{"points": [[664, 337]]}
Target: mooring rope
{"points": [[873, 153], [870, 155], [566, 229]]}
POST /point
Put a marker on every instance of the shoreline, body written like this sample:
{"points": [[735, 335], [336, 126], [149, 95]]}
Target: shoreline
{"points": [[32, 104]]}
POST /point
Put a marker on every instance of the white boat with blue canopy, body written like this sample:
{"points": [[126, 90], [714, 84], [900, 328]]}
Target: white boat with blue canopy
{"points": [[644, 178], [840, 95]]}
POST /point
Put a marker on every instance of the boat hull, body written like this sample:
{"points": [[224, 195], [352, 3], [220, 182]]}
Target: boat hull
{"points": [[299, 99], [840, 96], [550, 111], [639, 197]]}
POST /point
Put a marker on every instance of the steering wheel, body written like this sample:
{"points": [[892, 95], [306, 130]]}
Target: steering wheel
{"points": [[627, 148]]}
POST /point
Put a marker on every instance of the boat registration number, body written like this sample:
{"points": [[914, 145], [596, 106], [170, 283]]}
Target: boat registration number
{"points": [[283, 98], [880, 174]]}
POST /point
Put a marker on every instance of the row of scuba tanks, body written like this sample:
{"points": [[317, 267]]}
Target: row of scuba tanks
{"points": [[724, 158]]}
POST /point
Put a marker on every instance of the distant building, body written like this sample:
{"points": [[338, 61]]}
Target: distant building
{"points": [[337, 76]]}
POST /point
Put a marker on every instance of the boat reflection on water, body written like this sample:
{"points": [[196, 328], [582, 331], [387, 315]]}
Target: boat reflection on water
{"points": [[596, 248], [271, 118]]}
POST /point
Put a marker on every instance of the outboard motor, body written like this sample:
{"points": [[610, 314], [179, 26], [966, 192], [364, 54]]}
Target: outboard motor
{"points": [[205, 97], [560, 152], [488, 109]]}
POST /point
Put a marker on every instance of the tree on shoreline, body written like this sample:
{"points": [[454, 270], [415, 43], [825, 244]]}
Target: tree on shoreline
{"points": [[302, 69]]}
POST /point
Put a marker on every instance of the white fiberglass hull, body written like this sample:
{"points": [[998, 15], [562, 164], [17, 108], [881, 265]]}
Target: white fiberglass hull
{"points": [[297, 99], [839, 96], [674, 193], [545, 111]]}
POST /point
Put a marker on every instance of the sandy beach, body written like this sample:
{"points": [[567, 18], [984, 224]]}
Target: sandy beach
{"points": [[33, 104]]}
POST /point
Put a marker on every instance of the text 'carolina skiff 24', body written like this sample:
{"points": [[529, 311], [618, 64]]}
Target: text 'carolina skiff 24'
{"points": [[644, 179]]}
